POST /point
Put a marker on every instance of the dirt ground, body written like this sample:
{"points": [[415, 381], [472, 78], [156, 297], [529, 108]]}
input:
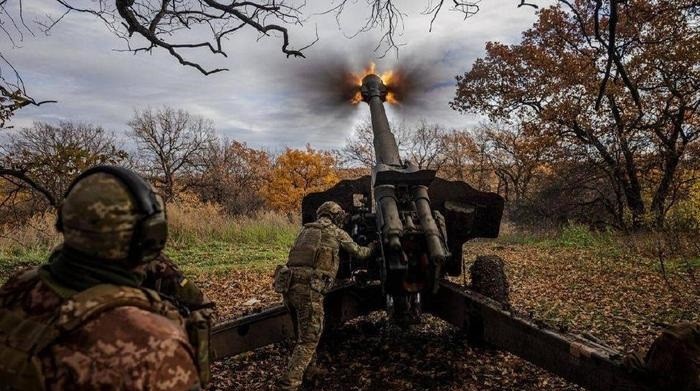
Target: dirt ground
{"points": [[620, 300]]}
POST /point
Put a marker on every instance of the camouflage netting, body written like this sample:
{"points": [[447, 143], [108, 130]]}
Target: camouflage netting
{"points": [[489, 278]]}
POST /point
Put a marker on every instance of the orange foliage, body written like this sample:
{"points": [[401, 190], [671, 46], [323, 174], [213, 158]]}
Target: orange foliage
{"points": [[297, 173]]}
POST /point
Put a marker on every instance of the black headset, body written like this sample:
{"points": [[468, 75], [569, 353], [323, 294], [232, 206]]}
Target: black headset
{"points": [[151, 231]]}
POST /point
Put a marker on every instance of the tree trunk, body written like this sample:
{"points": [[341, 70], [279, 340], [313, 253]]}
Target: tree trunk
{"points": [[658, 204]]}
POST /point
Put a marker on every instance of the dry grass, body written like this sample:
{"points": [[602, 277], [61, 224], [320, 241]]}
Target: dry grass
{"points": [[202, 237], [35, 237], [192, 222]]}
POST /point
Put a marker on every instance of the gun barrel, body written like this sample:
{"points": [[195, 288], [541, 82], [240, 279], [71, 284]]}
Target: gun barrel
{"points": [[386, 152], [385, 148]]}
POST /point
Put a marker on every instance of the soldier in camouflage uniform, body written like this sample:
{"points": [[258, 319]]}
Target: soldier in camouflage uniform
{"points": [[83, 321], [165, 278], [310, 271]]}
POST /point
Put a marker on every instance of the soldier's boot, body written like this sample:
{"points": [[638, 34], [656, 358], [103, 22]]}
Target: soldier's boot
{"points": [[286, 385], [314, 371], [298, 362]]}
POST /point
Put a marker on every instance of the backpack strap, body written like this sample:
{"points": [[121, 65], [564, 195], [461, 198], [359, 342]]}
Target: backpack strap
{"points": [[17, 285], [88, 304], [20, 341]]}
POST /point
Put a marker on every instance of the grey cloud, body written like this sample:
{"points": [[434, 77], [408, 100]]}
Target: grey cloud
{"points": [[265, 99]]}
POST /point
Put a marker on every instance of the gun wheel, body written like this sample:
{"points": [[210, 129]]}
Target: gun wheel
{"points": [[489, 278]]}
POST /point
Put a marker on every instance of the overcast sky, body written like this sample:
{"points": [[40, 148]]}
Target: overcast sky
{"points": [[265, 99]]}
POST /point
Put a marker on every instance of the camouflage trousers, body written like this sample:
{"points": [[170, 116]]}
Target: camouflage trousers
{"points": [[306, 308]]}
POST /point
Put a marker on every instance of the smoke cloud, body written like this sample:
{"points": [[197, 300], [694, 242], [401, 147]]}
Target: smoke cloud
{"points": [[330, 83]]}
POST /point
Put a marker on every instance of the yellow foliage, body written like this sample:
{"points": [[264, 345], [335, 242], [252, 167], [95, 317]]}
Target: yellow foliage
{"points": [[686, 213], [297, 173]]}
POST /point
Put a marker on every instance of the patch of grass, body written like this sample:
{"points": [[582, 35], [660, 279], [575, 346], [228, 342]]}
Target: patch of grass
{"points": [[574, 236], [521, 238], [694, 263], [202, 240], [220, 257], [206, 223], [577, 236]]}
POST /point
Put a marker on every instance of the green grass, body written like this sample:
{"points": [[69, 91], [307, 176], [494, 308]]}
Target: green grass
{"points": [[571, 236], [250, 244], [195, 259], [17, 259], [261, 243], [199, 246], [694, 263], [248, 233], [219, 257]]}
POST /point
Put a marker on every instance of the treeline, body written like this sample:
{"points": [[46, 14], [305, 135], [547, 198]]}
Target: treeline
{"points": [[178, 152], [592, 118], [182, 156], [544, 182]]}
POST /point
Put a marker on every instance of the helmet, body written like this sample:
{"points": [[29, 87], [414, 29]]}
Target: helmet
{"points": [[331, 210], [111, 213]]}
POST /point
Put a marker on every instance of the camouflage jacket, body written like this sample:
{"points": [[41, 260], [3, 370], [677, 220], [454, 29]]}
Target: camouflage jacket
{"points": [[123, 348], [318, 246], [164, 277]]}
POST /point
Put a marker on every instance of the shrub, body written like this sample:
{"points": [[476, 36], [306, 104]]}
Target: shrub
{"points": [[194, 222]]}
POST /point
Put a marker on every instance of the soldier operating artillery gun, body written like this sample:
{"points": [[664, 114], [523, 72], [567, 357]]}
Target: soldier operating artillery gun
{"points": [[417, 245], [422, 223]]}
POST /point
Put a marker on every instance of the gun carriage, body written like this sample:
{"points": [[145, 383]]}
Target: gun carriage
{"points": [[422, 223]]}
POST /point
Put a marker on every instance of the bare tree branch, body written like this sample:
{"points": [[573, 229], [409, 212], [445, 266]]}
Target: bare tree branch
{"points": [[12, 93], [25, 179]]}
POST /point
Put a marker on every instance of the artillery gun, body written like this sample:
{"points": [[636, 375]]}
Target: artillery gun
{"points": [[422, 223]]}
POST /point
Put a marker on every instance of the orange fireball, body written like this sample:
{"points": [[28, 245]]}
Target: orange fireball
{"points": [[389, 78]]}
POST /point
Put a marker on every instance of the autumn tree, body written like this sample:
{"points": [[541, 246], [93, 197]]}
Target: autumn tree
{"points": [[171, 144], [358, 149], [615, 81], [465, 159], [295, 174], [425, 146], [517, 155], [43, 159], [233, 176], [421, 144]]}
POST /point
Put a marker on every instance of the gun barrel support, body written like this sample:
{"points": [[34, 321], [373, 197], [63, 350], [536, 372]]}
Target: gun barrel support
{"points": [[425, 215], [391, 225]]}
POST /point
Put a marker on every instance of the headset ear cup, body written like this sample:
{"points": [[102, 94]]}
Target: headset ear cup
{"points": [[135, 252], [149, 238]]}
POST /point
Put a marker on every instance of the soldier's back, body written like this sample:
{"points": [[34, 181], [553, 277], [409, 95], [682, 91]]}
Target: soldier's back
{"points": [[127, 347]]}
